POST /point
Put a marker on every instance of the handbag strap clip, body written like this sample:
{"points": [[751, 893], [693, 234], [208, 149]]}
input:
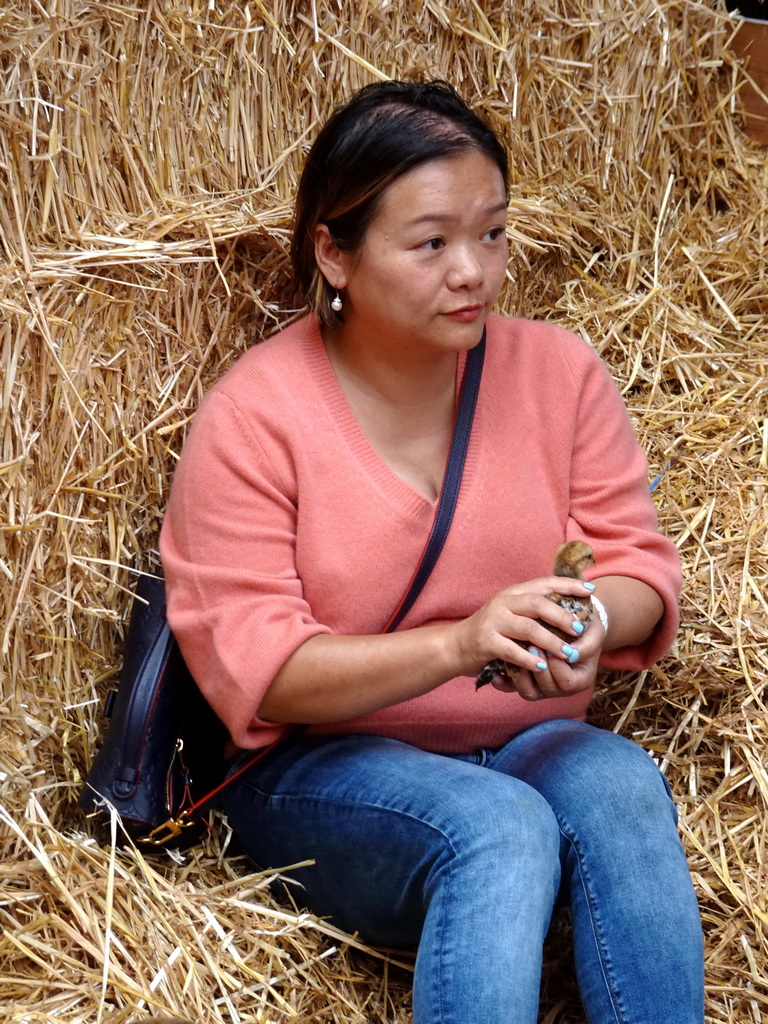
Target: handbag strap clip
{"points": [[169, 830]]}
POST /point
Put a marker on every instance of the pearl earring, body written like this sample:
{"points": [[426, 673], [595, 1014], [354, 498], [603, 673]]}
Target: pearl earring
{"points": [[336, 303]]}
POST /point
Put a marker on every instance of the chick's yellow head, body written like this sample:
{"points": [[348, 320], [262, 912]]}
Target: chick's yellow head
{"points": [[572, 558]]}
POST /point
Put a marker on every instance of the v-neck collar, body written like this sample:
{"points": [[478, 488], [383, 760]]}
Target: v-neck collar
{"points": [[400, 493]]}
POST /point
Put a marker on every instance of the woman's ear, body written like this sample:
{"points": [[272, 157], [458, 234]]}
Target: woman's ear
{"points": [[331, 261]]}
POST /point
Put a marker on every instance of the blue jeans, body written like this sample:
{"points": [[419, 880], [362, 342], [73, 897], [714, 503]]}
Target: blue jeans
{"points": [[464, 857]]}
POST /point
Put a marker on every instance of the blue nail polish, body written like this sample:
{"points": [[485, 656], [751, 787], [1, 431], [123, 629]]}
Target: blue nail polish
{"points": [[590, 586], [573, 658], [567, 651], [541, 665], [534, 651], [578, 627]]}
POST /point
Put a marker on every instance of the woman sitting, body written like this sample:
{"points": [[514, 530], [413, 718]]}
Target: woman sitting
{"points": [[437, 814]]}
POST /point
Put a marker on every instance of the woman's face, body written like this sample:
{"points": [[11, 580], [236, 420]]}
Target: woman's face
{"points": [[433, 259]]}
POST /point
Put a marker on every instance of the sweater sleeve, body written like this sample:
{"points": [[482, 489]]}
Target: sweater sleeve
{"points": [[611, 508], [235, 602]]}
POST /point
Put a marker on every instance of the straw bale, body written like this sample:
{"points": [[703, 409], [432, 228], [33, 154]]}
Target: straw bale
{"points": [[148, 157]]}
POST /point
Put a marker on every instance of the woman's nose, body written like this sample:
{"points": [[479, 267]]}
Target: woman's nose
{"points": [[466, 269]]}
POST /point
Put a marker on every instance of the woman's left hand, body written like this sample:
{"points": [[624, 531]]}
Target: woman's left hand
{"points": [[560, 679], [634, 608]]}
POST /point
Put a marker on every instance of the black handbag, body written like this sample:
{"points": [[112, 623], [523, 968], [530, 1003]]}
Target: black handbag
{"points": [[162, 766], [164, 748]]}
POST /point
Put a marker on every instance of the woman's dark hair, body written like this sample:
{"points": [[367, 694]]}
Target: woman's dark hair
{"points": [[383, 131]]}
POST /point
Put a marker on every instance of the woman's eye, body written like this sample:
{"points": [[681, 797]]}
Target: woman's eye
{"points": [[495, 233], [434, 244]]}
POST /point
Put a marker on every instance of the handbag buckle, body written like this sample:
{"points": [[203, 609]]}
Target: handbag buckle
{"points": [[169, 830]]}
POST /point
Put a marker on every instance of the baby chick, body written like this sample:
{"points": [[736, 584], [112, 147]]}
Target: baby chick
{"points": [[571, 559]]}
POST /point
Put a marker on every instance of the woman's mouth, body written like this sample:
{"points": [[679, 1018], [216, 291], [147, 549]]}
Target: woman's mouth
{"points": [[466, 314]]}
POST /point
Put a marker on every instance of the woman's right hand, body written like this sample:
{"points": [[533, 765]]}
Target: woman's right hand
{"points": [[513, 622]]}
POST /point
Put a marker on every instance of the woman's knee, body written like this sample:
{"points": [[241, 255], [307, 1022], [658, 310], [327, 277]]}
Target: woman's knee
{"points": [[501, 824], [620, 774], [591, 775]]}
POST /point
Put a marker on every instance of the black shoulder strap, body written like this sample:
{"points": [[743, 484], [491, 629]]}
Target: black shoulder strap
{"points": [[451, 483]]}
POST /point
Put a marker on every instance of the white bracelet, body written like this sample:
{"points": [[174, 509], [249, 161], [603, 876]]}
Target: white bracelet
{"points": [[599, 607]]}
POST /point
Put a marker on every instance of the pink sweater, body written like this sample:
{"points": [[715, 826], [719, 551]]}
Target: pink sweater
{"points": [[283, 523]]}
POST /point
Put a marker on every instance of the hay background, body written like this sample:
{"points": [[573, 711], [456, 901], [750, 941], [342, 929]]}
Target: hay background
{"points": [[148, 154]]}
